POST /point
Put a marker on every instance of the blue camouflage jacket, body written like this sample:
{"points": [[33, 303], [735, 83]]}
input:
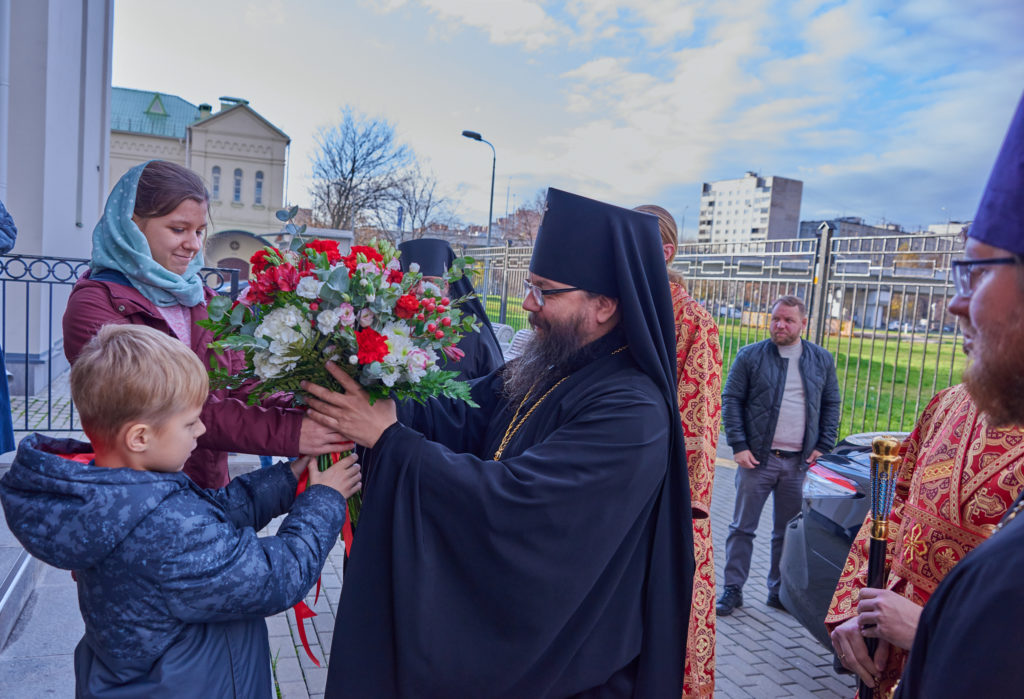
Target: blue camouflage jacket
{"points": [[173, 582]]}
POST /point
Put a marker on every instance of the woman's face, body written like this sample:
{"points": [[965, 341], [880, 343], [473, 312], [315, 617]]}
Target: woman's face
{"points": [[175, 239]]}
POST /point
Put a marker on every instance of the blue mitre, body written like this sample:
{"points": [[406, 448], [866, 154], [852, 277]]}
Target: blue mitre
{"points": [[1000, 218]]}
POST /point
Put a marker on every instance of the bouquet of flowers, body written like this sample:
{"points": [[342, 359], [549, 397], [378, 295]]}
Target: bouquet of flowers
{"points": [[307, 304]]}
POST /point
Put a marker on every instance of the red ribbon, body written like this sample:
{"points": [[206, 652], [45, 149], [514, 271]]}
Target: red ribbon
{"points": [[303, 612]]}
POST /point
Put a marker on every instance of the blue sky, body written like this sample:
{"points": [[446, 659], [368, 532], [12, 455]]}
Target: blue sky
{"points": [[892, 111]]}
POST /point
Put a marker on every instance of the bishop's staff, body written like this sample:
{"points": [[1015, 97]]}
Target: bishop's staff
{"points": [[884, 461]]}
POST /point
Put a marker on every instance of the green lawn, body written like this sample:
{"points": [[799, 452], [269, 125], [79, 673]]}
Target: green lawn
{"points": [[514, 313]]}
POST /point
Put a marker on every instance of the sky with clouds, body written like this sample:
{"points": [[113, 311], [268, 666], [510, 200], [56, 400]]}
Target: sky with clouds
{"points": [[892, 111]]}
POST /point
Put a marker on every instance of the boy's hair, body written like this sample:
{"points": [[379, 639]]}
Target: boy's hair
{"points": [[133, 373]]}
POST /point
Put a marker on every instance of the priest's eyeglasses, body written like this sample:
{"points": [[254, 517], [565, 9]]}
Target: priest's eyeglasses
{"points": [[539, 294], [966, 273]]}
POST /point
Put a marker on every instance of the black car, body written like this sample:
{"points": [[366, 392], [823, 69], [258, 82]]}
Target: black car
{"points": [[837, 496]]}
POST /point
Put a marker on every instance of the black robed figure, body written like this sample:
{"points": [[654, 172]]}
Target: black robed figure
{"points": [[540, 545], [481, 350]]}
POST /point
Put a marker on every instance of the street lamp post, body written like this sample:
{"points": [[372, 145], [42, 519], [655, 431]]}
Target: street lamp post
{"points": [[490, 211]]}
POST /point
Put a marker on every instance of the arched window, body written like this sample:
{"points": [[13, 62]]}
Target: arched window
{"points": [[238, 184], [215, 182], [258, 199]]}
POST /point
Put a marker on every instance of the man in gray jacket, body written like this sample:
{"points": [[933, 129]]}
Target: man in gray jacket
{"points": [[781, 408]]}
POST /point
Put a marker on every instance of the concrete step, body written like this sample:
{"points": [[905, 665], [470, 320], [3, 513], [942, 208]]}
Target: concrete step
{"points": [[19, 572]]}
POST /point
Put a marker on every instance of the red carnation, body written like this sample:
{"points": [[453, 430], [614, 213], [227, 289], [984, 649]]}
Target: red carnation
{"points": [[407, 306], [352, 259], [373, 346], [395, 276], [328, 247], [282, 278], [261, 259]]}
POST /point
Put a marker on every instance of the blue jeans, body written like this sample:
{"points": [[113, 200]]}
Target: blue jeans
{"points": [[782, 476]]}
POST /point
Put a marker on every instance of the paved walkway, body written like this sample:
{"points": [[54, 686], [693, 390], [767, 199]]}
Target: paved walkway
{"points": [[762, 652]]}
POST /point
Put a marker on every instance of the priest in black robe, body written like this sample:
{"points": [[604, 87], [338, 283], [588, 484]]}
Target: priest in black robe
{"points": [[970, 636], [539, 545], [481, 351]]}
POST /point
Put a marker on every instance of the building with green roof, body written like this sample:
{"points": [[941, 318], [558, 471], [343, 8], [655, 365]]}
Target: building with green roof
{"points": [[241, 156]]}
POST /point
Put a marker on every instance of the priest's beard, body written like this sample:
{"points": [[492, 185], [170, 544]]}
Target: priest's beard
{"points": [[995, 378], [548, 352]]}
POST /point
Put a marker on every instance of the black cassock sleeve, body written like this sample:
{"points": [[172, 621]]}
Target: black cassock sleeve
{"points": [[971, 633]]}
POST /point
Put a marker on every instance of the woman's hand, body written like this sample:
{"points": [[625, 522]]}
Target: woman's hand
{"points": [[886, 615], [315, 438], [349, 413]]}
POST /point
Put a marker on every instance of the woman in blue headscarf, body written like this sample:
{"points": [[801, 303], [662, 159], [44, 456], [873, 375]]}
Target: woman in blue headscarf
{"points": [[146, 258]]}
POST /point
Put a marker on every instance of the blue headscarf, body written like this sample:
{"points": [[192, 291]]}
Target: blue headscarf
{"points": [[119, 245]]}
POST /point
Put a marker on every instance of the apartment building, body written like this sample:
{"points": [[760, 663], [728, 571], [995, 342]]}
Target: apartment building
{"points": [[749, 208]]}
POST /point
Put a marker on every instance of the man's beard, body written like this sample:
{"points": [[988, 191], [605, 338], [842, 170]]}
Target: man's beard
{"points": [[995, 377], [548, 352]]}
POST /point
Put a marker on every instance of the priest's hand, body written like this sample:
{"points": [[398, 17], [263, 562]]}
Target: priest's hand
{"points": [[316, 439], [853, 652], [349, 413], [886, 615]]}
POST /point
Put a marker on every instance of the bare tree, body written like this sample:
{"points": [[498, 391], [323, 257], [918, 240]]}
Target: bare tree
{"points": [[522, 224], [357, 170], [424, 206]]}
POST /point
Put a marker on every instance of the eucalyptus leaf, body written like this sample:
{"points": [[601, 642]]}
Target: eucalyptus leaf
{"points": [[331, 296], [339, 280], [238, 314], [217, 307], [282, 215], [243, 342]]}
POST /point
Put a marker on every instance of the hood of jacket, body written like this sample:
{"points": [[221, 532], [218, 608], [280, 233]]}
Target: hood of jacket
{"points": [[71, 514]]}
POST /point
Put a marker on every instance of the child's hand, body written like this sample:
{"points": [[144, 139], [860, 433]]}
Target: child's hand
{"points": [[299, 466], [344, 476]]}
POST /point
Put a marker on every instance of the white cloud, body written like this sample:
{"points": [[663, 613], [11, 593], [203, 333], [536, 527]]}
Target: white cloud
{"points": [[877, 106], [505, 21]]}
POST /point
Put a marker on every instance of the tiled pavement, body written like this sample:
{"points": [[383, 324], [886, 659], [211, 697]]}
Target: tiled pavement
{"points": [[762, 652]]}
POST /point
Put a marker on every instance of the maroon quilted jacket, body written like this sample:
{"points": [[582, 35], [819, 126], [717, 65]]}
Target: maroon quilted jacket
{"points": [[231, 425]]}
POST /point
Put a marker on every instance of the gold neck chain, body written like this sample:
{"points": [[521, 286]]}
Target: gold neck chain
{"points": [[517, 422], [1009, 517]]}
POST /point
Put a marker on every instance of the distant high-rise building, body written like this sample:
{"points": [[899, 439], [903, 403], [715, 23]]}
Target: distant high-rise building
{"points": [[848, 227], [749, 208]]}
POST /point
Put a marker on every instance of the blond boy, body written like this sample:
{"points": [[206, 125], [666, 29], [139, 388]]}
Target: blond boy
{"points": [[173, 581]]}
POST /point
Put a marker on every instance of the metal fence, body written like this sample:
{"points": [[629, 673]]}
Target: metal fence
{"points": [[878, 304], [33, 293]]}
